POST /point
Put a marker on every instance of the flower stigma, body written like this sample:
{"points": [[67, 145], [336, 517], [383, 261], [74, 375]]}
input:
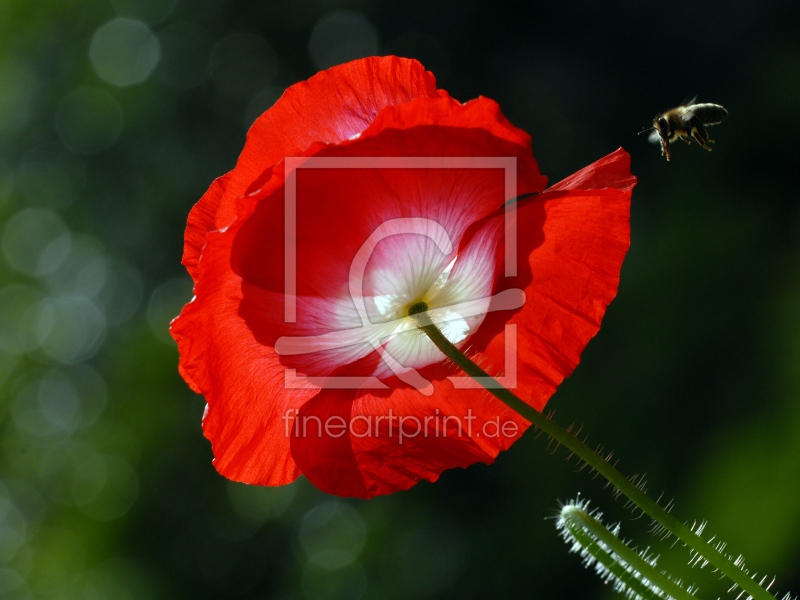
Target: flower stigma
{"points": [[416, 308]]}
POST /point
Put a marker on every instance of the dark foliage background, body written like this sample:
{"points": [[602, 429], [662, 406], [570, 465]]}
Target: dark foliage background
{"points": [[115, 116]]}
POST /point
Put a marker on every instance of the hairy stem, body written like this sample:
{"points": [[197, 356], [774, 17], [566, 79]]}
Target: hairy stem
{"points": [[637, 574], [594, 460]]}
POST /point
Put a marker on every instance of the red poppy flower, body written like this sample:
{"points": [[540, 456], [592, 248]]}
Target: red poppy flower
{"points": [[362, 192]]}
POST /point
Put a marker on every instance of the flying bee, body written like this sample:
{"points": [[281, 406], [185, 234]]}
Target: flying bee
{"points": [[685, 122]]}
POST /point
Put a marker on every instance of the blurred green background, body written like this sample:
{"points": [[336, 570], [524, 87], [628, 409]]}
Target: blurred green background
{"points": [[116, 115]]}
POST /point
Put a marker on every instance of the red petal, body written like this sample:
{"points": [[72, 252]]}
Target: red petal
{"points": [[201, 221], [365, 444], [330, 107], [572, 240], [242, 381], [610, 172], [479, 114]]}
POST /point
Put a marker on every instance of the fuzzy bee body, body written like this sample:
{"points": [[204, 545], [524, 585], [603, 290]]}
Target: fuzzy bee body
{"points": [[686, 122]]}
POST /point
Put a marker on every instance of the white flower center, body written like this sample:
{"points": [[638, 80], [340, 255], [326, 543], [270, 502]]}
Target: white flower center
{"points": [[406, 262]]}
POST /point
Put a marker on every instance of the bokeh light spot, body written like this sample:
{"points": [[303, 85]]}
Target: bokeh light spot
{"points": [[32, 507], [83, 272], [121, 293], [77, 330], [35, 241], [13, 585], [13, 527], [46, 407], [242, 64], [342, 36], [59, 401], [124, 52], [88, 120], [150, 11], [165, 304], [332, 534], [92, 390], [36, 324], [16, 300]]}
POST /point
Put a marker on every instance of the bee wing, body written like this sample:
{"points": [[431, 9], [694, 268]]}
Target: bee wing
{"points": [[687, 102], [654, 138]]}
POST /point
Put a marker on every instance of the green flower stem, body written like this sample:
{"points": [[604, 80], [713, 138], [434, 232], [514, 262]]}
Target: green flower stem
{"points": [[613, 566], [597, 462], [586, 529]]}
